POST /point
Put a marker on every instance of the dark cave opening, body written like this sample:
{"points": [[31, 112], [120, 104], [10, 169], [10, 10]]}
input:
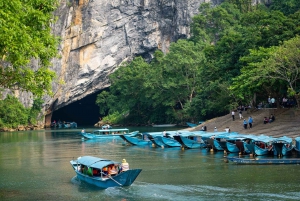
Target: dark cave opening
{"points": [[84, 112]]}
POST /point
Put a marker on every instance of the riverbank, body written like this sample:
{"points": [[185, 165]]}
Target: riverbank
{"points": [[287, 122]]}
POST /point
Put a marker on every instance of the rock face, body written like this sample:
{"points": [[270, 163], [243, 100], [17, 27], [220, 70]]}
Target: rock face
{"points": [[98, 35]]}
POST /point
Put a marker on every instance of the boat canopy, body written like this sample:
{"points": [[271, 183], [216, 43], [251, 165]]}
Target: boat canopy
{"points": [[95, 162], [283, 139], [103, 131]]}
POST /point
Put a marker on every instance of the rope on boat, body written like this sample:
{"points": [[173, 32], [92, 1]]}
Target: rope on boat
{"points": [[113, 179]]}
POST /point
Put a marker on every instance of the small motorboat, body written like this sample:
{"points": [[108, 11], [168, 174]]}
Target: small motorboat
{"points": [[103, 133], [91, 170], [106, 126]]}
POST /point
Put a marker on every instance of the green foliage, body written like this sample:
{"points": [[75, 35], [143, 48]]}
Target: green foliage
{"points": [[236, 52], [35, 110], [26, 35], [12, 113], [287, 6]]}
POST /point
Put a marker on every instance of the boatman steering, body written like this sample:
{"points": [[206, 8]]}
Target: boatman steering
{"points": [[124, 166]]}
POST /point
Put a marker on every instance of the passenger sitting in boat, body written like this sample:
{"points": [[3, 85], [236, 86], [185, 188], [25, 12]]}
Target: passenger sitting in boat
{"points": [[124, 166], [104, 171], [112, 171], [262, 145]]}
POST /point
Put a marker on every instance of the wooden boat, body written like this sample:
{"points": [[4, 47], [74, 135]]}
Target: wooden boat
{"points": [[170, 142], [190, 142], [163, 125], [97, 134], [139, 140], [282, 146], [264, 161], [218, 141], [90, 170]]}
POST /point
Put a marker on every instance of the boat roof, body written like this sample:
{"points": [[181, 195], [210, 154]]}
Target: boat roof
{"points": [[283, 138], [112, 129], [95, 162]]}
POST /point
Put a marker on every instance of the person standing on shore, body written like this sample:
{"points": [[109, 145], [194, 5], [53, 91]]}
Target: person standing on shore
{"points": [[232, 114], [240, 114], [245, 124], [250, 121]]}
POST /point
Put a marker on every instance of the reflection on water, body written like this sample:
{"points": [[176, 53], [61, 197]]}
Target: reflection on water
{"points": [[34, 165]]}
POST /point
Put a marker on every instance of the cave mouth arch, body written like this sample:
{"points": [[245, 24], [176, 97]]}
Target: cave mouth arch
{"points": [[84, 112]]}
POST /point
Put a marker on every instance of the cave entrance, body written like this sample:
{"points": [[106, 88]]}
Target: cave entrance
{"points": [[84, 112]]}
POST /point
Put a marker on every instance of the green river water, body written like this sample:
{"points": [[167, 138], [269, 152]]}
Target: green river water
{"points": [[34, 165]]}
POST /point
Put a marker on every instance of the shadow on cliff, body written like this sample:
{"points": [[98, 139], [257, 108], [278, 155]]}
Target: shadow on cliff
{"points": [[84, 112]]}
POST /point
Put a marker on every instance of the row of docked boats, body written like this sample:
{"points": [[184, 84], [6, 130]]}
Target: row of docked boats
{"points": [[217, 141], [93, 170]]}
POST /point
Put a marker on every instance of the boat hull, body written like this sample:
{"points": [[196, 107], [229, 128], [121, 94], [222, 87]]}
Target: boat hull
{"points": [[123, 179], [188, 143], [270, 161], [135, 141]]}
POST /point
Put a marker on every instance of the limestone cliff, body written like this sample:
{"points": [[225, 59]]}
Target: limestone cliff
{"points": [[98, 35]]}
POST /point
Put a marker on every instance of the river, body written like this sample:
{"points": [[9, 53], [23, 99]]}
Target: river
{"points": [[34, 165]]}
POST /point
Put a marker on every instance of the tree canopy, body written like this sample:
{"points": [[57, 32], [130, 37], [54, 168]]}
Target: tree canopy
{"points": [[236, 51], [26, 35]]}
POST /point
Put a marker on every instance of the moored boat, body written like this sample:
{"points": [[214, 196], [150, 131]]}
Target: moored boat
{"points": [[264, 161], [263, 145], [297, 145], [106, 126], [282, 146], [190, 141], [163, 125], [139, 140], [98, 134], [92, 170]]}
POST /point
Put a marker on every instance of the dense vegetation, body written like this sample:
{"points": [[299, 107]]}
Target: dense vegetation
{"points": [[26, 35], [14, 114], [25, 39], [237, 54]]}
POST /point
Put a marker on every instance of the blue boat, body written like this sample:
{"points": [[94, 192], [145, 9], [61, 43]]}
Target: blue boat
{"points": [[264, 161], [263, 145], [91, 170], [192, 125], [297, 145], [282, 146], [218, 141], [156, 140], [170, 142], [98, 134], [139, 140], [106, 126], [190, 141]]}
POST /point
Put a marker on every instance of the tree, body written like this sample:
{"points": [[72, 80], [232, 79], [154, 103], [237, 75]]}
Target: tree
{"points": [[271, 65], [26, 35]]}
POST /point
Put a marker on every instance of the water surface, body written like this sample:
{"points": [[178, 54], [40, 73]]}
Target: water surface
{"points": [[34, 165]]}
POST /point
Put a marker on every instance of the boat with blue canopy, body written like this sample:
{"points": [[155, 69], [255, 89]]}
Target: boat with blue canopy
{"points": [[93, 171], [297, 144], [283, 146], [102, 133], [139, 139], [263, 145], [190, 141]]}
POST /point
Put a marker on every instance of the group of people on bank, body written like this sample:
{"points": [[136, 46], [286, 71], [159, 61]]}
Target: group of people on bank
{"points": [[270, 119], [250, 122]]}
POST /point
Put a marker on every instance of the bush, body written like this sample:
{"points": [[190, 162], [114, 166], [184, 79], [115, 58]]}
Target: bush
{"points": [[12, 113]]}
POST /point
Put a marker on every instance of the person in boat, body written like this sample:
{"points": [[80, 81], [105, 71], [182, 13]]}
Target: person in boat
{"points": [[165, 133], [83, 131], [124, 166], [112, 171], [105, 171], [227, 129]]}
